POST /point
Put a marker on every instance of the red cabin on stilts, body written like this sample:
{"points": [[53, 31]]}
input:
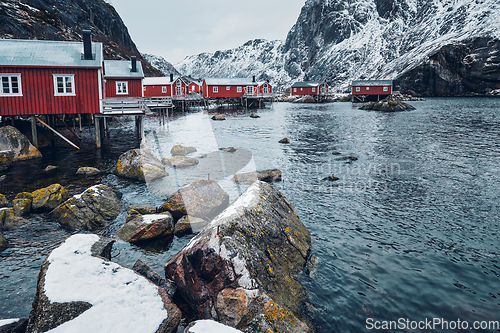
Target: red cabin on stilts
{"points": [[123, 78], [312, 88], [362, 90]]}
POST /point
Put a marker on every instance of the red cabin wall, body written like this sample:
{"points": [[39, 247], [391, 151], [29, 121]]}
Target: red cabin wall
{"points": [[194, 87], [269, 89], [134, 87], [309, 90], [183, 88], [157, 91], [38, 98], [374, 90], [223, 92]]}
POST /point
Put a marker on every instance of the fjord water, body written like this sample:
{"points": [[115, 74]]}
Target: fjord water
{"points": [[411, 229]]}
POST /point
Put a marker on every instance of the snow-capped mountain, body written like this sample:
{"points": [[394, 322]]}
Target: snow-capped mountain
{"points": [[432, 47], [161, 64]]}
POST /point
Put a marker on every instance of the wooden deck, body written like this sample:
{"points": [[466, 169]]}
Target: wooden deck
{"points": [[123, 107], [159, 102]]}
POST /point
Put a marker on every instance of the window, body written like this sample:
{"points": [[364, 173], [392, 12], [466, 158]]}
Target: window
{"points": [[164, 89], [301, 89], [294, 89], [238, 89], [386, 88], [358, 88], [216, 89], [250, 90], [228, 88], [367, 88], [314, 89], [11, 85], [64, 85], [122, 88]]}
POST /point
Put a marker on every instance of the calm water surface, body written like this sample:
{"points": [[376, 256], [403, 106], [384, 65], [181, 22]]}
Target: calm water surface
{"points": [[411, 229]]}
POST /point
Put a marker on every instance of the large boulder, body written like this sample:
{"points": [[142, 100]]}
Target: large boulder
{"points": [[3, 242], [269, 176], [389, 104], [6, 159], [49, 197], [3, 201], [203, 199], [80, 290], [180, 161], [179, 150], [12, 139], [21, 205], [139, 228], [240, 270], [141, 165], [90, 210]]}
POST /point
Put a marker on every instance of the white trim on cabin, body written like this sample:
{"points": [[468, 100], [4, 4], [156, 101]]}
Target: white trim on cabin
{"points": [[122, 87], [10, 85], [64, 84]]}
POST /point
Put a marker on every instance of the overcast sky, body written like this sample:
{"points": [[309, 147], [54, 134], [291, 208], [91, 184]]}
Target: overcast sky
{"points": [[176, 29]]}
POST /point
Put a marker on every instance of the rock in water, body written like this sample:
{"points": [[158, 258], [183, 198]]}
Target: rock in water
{"points": [[13, 140], [6, 159], [50, 168], [269, 176], [218, 117], [254, 115], [388, 104], [284, 140], [141, 165], [3, 242], [88, 171], [90, 210], [140, 228], [77, 288], [240, 270], [179, 150], [141, 209], [49, 198], [188, 225], [3, 201], [203, 199], [9, 221], [180, 161]]}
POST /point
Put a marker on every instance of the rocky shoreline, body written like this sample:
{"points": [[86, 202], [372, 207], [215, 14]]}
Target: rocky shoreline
{"points": [[238, 273]]}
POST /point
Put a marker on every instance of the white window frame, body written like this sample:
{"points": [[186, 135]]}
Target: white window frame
{"points": [[119, 89], [238, 89], [386, 88], [65, 77], [294, 89], [249, 90], [215, 89], [314, 89], [358, 88], [9, 82], [164, 89], [367, 88], [228, 87]]}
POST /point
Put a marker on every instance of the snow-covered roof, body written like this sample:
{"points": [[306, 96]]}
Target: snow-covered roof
{"points": [[371, 83], [15, 52], [307, 84], [122, 68], [263, 82], [230, 82], [153, 81]]}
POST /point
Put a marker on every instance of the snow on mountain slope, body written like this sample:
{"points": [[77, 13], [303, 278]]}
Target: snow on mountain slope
{"points": [[344, 40], [161, 64]]}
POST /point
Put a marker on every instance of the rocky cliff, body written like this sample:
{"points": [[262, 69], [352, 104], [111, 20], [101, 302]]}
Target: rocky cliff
{"points": [[431, 47], [65, 19]]}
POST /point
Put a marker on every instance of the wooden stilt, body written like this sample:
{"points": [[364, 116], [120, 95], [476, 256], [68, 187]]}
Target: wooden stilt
{"points": [[80, 121], [34, 133], [98, 141]]}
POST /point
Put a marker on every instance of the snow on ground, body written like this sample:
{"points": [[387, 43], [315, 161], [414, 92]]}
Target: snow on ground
{"points": [[4, 322], [122, 301], [210, 326]]}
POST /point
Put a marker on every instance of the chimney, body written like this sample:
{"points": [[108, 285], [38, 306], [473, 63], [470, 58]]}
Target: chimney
{"points": [[253, 79], [171, 77], [134, 63], [87, 45]]}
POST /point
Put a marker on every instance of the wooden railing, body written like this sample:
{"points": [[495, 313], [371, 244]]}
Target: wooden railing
{"points": [[123, 106], [159, 102]]}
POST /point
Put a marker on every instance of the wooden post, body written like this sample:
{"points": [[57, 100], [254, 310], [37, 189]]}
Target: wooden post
{"points": [[98, 142], [58, 134], [80, 121], [34, 133]]}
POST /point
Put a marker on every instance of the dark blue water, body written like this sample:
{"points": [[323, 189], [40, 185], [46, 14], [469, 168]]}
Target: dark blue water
{"points": [[411, 229]]}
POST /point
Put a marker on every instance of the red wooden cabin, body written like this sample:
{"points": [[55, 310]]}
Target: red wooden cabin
{"points": [[313, 88], [195, 87], [157, 87], [264, 88], [228, 88], [123, 78], [378, 88], [50, 77]]}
